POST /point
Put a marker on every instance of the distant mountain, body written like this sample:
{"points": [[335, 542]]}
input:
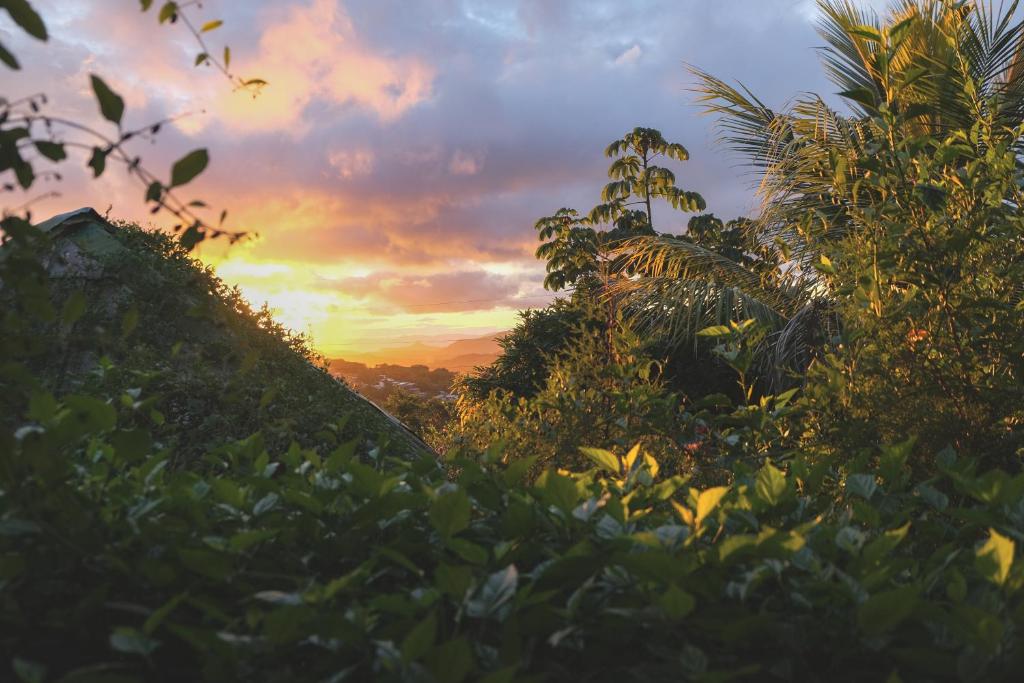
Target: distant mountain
{"points": [[461, 355]]}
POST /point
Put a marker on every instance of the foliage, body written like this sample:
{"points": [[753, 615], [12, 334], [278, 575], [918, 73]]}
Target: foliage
{"points": [[428, 417], [867, 527], [529, 348], [155, 321], [591, 395], [582, 257], [636, 181], [31, 136]]}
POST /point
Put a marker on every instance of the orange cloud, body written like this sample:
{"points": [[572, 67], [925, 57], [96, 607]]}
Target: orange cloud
{"points": [[314, 53]]}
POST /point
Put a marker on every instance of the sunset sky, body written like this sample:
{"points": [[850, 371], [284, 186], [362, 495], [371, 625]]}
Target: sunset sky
{"points": [[396, 162]]}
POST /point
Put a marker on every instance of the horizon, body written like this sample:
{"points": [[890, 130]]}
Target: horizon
{"points": [[394, 167]]}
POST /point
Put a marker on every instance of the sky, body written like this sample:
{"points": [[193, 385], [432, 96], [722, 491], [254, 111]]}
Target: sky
{"points": [[394, 166]]}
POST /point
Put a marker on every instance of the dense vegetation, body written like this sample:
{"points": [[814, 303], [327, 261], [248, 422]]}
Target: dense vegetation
{"points": [[846, 504]]}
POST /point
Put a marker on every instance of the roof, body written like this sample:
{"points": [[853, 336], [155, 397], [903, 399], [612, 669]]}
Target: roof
{"points": [[90, 231]]}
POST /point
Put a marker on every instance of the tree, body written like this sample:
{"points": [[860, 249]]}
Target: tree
{"points": [[901, 216], [636, 181], [572, 249], [31, 136]]}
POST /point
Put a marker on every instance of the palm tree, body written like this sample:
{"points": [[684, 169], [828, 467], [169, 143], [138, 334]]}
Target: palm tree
{"points": [[929, 68]]}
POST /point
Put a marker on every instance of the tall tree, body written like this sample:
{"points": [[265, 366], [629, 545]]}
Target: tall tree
{"points": [[637, 180], [900, 213]]}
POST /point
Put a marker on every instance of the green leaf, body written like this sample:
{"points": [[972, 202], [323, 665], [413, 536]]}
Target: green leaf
{"points": [[453, 580], [824, 265], [499, 588], [450, 513], [191, 237], [130, 321], [714, 331], [862, 485], [884, 611], [28, 671], [97, 162], [602, 458], [169, 12], [879, 548], [558, 490], [211, 25], [91, 413], [201, 57], [7, 58], [470, 552], [451, 662], [74, 308], [111, 104], [131, 444], [420, 639], [265, 504], [676, 603], [995, 558], [132, 641], [146, 4], [26, 17], [708, 500], [771, 484], [160, 614], [188, 167], [227, 56], [54, 151]]}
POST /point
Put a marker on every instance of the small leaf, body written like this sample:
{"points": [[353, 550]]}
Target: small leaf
{"points": [[602, 458], [862, 485], [884, 611], [227, 56], [771, 484], [201, 57], [824, 265], [265, 504], [714, 331], [97, 162], [676, 603], [7, 58], [420, 639], [211, 25], [450, 513], [499, 588], [169, 12], [130, 321], [28, 671], [131, 641], [26, 17], [154, 191], [191, 237], [74, 308], [54, 151], [111, 104], [995, 558], [708, 500], [188, 167]]}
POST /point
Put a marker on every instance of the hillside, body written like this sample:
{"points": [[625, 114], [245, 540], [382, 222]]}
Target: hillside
{"points": [[459, 356], [142, 317]]}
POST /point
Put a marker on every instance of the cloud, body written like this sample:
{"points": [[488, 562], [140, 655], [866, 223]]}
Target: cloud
{"points": [[464, 163], [351, 162], [471, 290], [312, 52], [629, 56], [415, 138]]}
